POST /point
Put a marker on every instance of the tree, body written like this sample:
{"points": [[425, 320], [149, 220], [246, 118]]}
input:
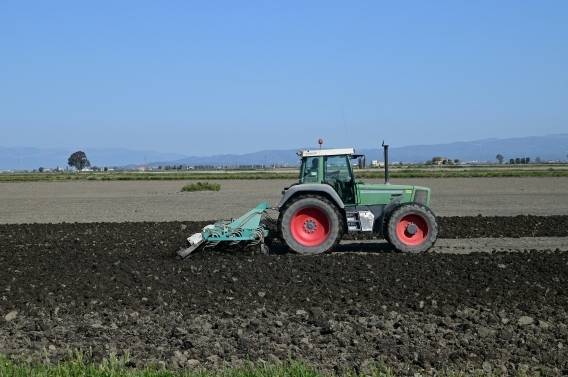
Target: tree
{"points": [[500, 158], [512, 161], [78, 160], [437, 160]]}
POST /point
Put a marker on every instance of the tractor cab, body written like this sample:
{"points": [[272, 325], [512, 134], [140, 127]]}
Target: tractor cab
{"points": [[332, 167]]}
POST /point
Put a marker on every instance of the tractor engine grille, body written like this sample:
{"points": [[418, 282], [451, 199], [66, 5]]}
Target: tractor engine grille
{"points": [[420, 196]]}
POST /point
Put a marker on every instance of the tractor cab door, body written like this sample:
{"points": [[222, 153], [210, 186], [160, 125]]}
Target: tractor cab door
{"points": [[310, 171], [339, 175]]}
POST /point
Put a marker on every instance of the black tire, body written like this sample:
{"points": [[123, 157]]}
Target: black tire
{"points": [[386, 236], [324, 207], [385, 229], [412, 228]]}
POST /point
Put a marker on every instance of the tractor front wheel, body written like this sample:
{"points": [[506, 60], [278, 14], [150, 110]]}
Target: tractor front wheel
{"points": [[310, 225], [412, 228]]}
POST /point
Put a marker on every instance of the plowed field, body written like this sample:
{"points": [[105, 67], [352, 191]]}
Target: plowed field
{"points": [[118, 287]]}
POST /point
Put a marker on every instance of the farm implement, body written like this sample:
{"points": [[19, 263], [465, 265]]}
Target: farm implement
{"points": [[328, 202], [246, 229]]}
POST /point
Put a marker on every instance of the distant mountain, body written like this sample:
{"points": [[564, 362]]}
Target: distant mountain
{"points": [[550, 147], [33, 158], [267, 157]]}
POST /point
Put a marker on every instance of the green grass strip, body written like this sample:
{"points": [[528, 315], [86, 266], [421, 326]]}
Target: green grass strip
{"points": [[201, 186], [166, 176], [117, 367]]}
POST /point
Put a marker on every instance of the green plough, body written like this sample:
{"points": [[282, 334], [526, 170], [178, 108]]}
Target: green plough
{"points": [[246, 229]]}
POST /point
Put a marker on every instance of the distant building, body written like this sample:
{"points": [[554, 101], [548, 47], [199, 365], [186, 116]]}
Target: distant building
{"points": [[376, 164]]}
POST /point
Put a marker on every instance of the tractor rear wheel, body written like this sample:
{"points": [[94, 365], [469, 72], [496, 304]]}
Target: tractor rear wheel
{"points": [[310, 224], [412, 228]]}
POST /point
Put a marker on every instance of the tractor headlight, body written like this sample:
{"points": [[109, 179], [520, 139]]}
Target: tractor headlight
{"points": [[421, 196]]}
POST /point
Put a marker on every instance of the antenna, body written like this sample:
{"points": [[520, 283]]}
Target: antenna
{"points": [[320, 142]]}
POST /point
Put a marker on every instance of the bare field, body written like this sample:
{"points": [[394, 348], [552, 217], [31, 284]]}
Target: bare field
{"points": [[499, 301], [464, 246], [117, 201], [118, 288]]}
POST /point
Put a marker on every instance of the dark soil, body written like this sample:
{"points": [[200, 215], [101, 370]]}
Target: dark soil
{"points": [[118, 288], [502, 226]]}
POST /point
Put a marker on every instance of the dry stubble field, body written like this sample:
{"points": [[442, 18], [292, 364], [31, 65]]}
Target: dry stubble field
{"points": [[116, 201]]}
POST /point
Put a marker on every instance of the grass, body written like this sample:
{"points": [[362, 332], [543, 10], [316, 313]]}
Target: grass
{"points": [[201, 186], [408, 171], [117, 367]]}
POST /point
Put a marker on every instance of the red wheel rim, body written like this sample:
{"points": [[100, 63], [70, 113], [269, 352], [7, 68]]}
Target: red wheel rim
{"points": [[309, 226], [412, 230]]}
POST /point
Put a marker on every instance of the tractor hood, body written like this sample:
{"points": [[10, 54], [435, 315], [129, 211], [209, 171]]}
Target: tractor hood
{"points": [[370, 194]]}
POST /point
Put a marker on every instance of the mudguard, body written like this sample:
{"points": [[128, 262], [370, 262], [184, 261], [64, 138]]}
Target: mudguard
{"points": [[317, 188]]}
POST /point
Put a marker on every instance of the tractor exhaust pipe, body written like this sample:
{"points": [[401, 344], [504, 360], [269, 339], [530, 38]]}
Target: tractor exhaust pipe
{"points": [[386, 154]]}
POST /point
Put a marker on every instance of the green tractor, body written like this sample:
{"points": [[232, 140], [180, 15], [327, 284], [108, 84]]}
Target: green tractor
{"points": [[328, 202]]}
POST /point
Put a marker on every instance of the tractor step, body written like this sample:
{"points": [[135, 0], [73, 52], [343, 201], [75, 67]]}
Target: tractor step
{"points": [[360, 221]]}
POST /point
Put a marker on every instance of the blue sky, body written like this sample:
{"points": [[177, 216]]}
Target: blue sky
{"points": [[229, 76]]}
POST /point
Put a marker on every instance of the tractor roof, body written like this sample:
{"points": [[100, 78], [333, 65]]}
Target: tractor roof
{"points": [[326, 152]]}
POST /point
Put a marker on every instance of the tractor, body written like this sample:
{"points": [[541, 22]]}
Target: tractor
{"points": [[328, 202]]}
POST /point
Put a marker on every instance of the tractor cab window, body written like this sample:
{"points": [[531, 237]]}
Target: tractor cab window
{"points": [[338, 174], [310, 170]]}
